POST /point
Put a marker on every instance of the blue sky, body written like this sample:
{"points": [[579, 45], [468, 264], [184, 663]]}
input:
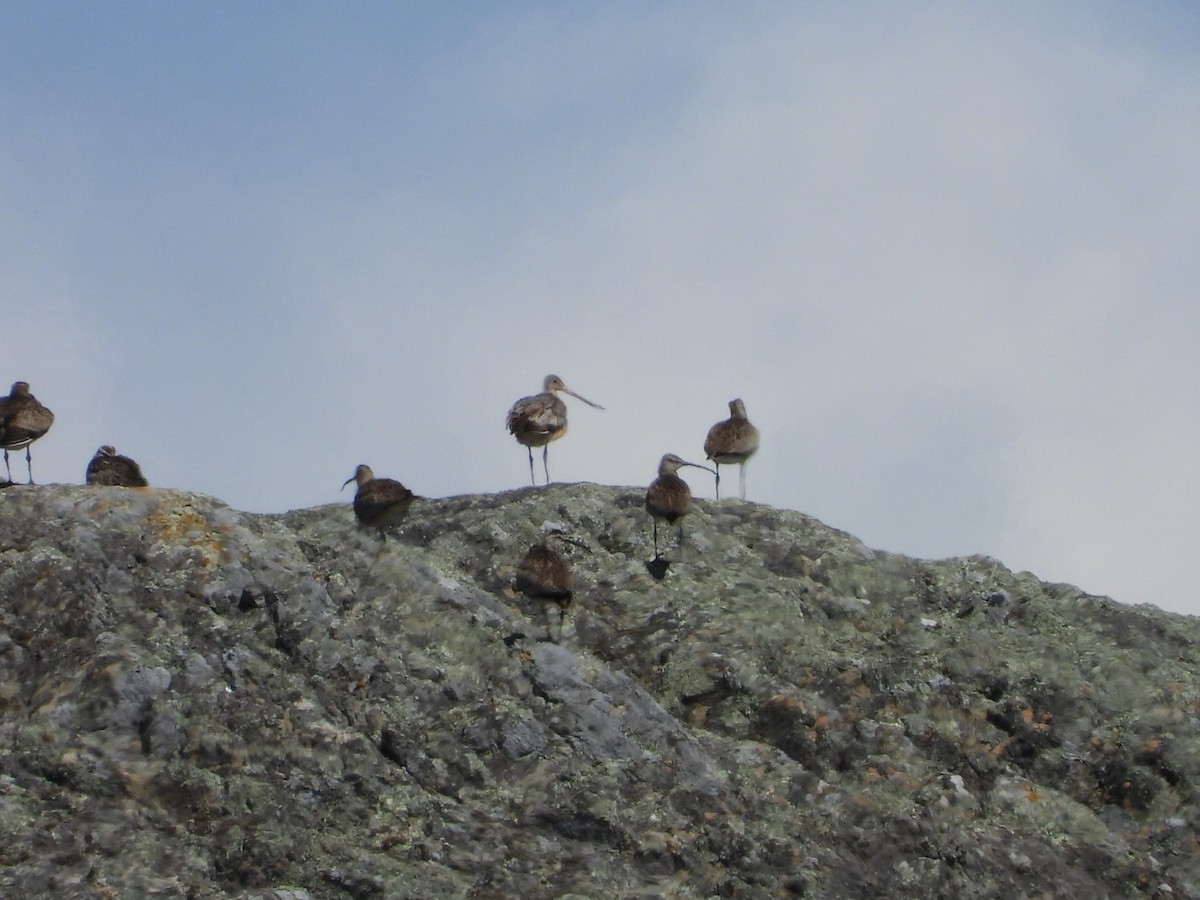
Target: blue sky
{"points": [[944, 252]]}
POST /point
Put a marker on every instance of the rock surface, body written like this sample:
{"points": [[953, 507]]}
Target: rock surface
{"points": [[200, 702]]}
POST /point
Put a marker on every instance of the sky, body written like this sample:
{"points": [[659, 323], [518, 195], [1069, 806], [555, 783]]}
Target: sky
{"points": [[943, 251]]}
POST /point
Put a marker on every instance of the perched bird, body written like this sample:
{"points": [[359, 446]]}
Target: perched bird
{"points": [[734, 440], [22, 421], [379, 501], [543, 574], [109, 467], [536, 421], [668, 496]]}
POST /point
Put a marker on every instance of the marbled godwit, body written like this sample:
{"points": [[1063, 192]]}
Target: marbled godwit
{"points": [[734, 440], [379, 501], [109, 467], [668, 496], [543, 574], [22, 421], [536, 421]]}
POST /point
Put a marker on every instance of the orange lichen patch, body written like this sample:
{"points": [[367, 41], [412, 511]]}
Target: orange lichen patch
{"points": [[179, 523], [138, 778], [1039, 722], [861, 692], [788, 703], [1032, 795]]}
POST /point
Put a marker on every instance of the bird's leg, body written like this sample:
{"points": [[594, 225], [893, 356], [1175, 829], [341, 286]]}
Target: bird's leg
{"points": [[681, 539], [718, 468], [7, 468], [532, 479], [655, 521], [29, 463], [742, 478], [546, 461]]}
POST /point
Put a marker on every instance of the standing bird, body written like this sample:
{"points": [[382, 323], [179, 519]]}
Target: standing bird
{"points": [[109, 467], [22, 421], [734, 440], [543, 574], [668, 496], [379, 501], [536, 421]]}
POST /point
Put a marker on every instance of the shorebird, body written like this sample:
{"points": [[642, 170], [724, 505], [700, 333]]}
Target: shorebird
{"points": [[22, 421], [543, 574], [734, 440], [536, 421], [109, 467], [379, 501], [668, 496]]}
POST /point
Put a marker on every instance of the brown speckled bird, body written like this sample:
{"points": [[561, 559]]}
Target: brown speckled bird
{"points": [[669, 496], [536, 421], [22, 421], [734, 440], [379, 502], [109, 467], [543, 574]]}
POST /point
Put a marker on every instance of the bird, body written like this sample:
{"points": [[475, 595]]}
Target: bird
{"points": [[733, 440], [669, 496], [536, 421], [109, 467], [22, 421], [379, 501], [543, 574]]}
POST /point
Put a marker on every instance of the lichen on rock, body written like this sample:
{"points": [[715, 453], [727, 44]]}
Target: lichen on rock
{"points": [[202, 702]]}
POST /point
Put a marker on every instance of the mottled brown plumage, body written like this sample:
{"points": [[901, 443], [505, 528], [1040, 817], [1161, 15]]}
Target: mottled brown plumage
{"points": [[536, 421], [379, 501], [734, 440], [544, 575], [22, 421], [109, 467], [669, 496]]}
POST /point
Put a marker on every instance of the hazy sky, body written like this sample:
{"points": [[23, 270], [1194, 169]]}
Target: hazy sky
{"points": [[945, 252]]}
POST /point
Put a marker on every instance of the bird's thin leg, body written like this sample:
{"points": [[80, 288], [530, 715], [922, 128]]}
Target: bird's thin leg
{"points": [[681, 539], [718, 468], [742, 479], [29, 464], [546, 461], [655, 521], [532, 479], [7, 469]]}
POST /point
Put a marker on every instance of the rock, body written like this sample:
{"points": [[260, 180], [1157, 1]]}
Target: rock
{"points": [[203, 702]]}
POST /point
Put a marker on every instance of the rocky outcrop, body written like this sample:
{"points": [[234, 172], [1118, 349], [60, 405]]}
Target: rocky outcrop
{"points": [[200, 702]]}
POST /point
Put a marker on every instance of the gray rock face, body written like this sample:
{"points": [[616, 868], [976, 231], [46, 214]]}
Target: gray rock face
{"points": [[199, 702]]}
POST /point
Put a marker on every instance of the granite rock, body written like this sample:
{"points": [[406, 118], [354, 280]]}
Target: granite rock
{"points": [[200, 702]]}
